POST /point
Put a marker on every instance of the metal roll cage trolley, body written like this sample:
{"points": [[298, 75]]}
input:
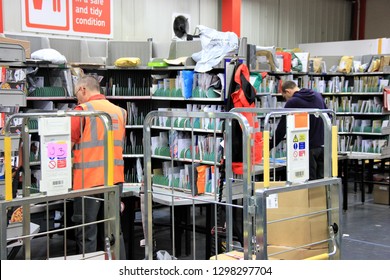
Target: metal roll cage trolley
{"points": [[109, 192], [256, 222], [332, 202]]}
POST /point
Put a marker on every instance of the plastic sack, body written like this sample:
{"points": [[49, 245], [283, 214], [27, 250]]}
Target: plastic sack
{"points": [[51, 55], [266, 54], [287, 56], [384, 61], [188, 78], [256, 79], [345, 65], [127, 62], [296, 64], [215, 46], [315, 65], [163, 255]]}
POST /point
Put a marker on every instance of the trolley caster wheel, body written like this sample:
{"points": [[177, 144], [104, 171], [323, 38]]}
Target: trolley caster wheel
{"points": [[111, 239]]}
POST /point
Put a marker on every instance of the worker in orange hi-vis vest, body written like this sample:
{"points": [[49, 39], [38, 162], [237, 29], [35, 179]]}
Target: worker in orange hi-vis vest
{"points": [[88, 157]]}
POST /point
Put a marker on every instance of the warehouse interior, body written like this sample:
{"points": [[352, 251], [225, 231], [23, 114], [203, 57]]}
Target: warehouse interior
{"points": [[141, 35]]}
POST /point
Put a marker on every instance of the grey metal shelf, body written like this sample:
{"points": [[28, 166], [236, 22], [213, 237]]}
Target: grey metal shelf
{"points": [[128, 97], [187, 99], [188, 129], [133, 126], [51, 98], [13, 98], [12, 53], [363, 133], [133, 155], [352, 93], [14, 142]]}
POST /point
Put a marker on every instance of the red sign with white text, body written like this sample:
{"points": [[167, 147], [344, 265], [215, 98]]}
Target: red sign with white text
{"points": [[47, 14], [92, 17], [70, 17]]}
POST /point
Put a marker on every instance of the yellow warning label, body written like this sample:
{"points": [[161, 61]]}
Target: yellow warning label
{"points": [[295, 138], [302, 137]]}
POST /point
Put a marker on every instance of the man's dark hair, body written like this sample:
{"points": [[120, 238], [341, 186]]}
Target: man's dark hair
{"points": [[288, 85]]}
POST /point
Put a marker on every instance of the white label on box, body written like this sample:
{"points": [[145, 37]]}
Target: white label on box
{"points": [[272, 201]]}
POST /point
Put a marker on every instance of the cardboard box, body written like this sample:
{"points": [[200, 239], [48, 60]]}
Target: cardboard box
{"points": [[294, 232], [284, 253], [381, 194], [230, 256], [24, 44], [287, 253]]}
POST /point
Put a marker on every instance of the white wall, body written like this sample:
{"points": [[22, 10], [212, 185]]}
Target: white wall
{"points": [[377, 19], [136, 20], [140, 20], [354, 48], [288, 23]]}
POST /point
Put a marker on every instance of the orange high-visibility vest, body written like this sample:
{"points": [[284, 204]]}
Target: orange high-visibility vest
{"points": [[88, 156]]}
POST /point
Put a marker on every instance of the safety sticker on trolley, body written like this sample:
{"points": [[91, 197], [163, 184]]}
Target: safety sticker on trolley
{"points": [[55, 155], [297, 147], [272, 201]]}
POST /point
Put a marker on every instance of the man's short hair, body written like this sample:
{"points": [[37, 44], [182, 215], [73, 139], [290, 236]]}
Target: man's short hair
{"points": [[288, 85], [90, 82]]}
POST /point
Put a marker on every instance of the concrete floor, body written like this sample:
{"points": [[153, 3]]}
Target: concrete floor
{"points": [[366, 230]]}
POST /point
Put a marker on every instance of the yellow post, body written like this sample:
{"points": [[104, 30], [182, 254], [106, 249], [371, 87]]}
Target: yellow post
{"points": [[8, 168], [380, 46], [110, 147], [266, 157], [334, 152]]}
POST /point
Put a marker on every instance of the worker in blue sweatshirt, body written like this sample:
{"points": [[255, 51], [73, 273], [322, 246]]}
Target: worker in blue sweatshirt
{"points": [[305, 98]]}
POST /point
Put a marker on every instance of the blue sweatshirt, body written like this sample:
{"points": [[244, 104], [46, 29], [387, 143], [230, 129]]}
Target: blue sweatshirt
{"points": [[304, 98]]}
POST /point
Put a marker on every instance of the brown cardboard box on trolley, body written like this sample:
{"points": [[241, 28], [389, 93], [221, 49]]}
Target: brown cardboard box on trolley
{"points": [[380, 194], [288, 253], [298, 231], [23, 43], [277, 253]]}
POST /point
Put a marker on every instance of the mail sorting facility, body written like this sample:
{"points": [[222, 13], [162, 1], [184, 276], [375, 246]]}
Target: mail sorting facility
{"points": [[98, 56]]}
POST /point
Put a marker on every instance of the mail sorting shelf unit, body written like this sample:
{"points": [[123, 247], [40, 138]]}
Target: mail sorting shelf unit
{"points": [[310, 209], [110, 194], [176, 197]]}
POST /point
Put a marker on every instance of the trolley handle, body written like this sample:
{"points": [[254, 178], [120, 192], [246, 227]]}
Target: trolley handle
{"points": [[333, 240]]}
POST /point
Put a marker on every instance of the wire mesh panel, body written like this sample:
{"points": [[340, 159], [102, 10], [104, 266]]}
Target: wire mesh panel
{"points": [[300, 221], [34, 226], [235, 213], [294, 219], [48, 210], [185, 169]]}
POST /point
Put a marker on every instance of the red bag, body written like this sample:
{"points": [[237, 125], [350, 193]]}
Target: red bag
{"points": [[386, 97], [244, 97], [286, 60]]}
